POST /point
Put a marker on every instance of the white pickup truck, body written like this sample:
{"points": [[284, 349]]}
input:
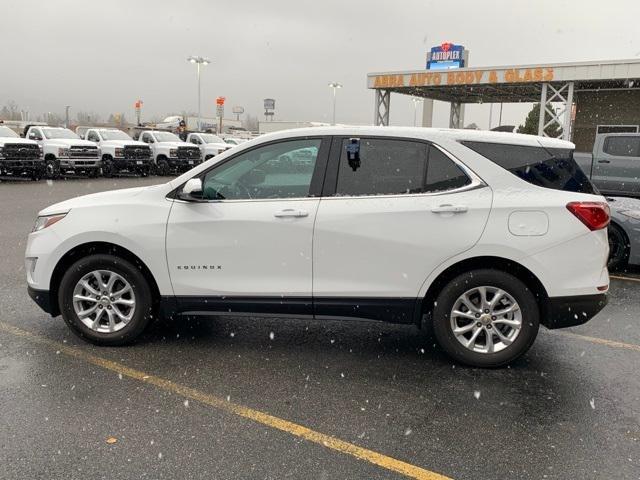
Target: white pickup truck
{"points": [[65, 152], [120, 152], [209, 144], [170, 154], [19, 156]]}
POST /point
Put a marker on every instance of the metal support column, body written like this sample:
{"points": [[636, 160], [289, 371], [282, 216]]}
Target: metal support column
{"points": [[560, 118], [427, 112], [383, 103], [456, 117]]}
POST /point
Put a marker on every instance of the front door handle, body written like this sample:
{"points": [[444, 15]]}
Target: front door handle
{"points": [[604, 161], [447, 208], [291, 212]]}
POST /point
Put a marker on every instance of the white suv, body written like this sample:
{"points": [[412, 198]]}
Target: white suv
{"points": [[481, 236]]}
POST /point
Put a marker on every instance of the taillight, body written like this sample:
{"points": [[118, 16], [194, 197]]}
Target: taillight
{"points": [[595, 215]]}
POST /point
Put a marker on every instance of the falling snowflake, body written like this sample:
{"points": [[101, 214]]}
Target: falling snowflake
{"points": [[408, 432], [272, 335], [477, 394], [186, 403], [592, 402]]}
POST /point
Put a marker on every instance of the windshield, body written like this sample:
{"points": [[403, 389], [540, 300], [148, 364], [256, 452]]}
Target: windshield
{"points": [[51, 133], [166, 137], [210, 138], [114, 135], [7, 132]]}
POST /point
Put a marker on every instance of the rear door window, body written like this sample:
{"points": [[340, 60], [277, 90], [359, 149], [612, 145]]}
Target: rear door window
{"points": [[622, 146], [394, 167], [552, 168]]}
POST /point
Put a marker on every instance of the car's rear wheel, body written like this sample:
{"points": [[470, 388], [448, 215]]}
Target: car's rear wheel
{"points": [[105, 300], [486, 318], [618, 248]]}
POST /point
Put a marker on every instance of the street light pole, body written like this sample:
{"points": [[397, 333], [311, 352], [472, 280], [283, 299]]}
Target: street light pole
{"points": [[335, 86], [66, 116], [199, 61]]}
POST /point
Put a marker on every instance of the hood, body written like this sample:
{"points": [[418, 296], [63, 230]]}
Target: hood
{"points": [[122, 143], [175, 144], [102, 198], [23, 141], [70, 142], [217, 146]]}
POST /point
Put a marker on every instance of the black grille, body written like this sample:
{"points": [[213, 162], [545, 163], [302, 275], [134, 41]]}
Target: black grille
{"points": [[18, 151], [189, 153], [83, 152], [134, 152]]}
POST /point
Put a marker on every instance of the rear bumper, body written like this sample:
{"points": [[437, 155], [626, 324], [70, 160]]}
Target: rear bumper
{"points": [[574, 310], [43, 300]]}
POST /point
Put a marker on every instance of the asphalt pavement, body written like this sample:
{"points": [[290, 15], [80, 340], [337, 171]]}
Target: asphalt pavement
{"points": [[270, 398]]}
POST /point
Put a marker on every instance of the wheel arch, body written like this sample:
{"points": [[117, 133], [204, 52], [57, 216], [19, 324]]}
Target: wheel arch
{"points": [[92, 248], [512, 267]]}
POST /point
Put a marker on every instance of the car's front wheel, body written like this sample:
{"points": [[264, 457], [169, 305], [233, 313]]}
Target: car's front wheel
{"points": [[105, 299], [486, 318]]}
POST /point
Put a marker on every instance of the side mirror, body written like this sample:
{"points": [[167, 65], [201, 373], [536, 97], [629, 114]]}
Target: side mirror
{"points": [[192, 190]]}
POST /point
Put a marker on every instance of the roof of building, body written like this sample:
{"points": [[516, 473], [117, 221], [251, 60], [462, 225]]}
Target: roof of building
{"points": [[513, 83]]}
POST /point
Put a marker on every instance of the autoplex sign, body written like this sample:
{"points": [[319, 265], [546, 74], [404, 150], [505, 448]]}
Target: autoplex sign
{"points": [[469, 77], [445, 56]]}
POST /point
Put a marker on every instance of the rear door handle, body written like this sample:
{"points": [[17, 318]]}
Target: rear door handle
{"points": [[291, 212], [447, 208], [604, 161]]}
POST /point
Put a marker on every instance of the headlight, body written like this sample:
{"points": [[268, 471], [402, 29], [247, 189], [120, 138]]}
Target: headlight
{"points": [[119, 152], [173, 152], [635, 214], [63, 152], [47, 220], [41, 150]]}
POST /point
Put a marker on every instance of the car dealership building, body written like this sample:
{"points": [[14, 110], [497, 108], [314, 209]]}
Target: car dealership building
{"points": [[583, 98]]}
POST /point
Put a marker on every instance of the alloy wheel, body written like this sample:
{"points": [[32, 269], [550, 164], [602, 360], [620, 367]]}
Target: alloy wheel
{"points": [[486, 319], [104, 301]]}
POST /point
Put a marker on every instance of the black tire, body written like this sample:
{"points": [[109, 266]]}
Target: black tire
{"points": [[107, 167], [618, 248], [442, 325], [52, 168], [162, 168], [143, 298]]}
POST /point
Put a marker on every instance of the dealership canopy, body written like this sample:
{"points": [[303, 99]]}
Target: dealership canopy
{"points": [[546, 83]]}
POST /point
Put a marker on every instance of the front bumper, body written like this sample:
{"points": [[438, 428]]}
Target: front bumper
{"points": [[19, 166], [573, 310], [129, 164], [181, 164], [80, 164], [43, 300]]}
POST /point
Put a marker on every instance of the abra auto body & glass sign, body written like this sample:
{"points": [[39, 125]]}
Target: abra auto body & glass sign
{"points": [[466, 77]]}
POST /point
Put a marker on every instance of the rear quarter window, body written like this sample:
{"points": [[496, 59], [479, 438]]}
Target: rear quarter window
{"points": [[552, 168]]}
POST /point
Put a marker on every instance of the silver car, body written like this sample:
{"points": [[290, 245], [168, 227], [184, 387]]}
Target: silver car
{"points": [[624, 232]]}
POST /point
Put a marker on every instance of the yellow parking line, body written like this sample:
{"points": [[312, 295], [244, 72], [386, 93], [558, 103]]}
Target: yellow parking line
{"points": [[630, 279], [292, 428], [601, 341]]}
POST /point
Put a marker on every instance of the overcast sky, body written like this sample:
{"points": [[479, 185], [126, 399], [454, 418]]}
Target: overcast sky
{"points": [[101, 56]]}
